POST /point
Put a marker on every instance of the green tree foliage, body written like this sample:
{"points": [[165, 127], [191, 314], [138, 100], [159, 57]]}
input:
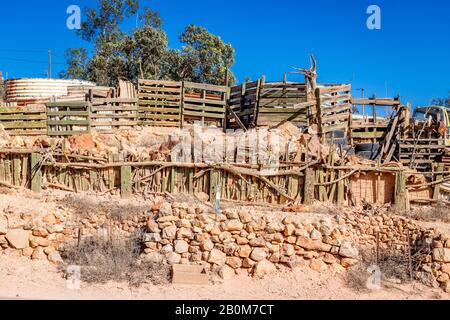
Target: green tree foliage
{"points": [[442, 101], [144, 52], [77, 64], [204, 57]]}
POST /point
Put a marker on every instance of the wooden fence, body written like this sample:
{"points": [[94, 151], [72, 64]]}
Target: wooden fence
{"points": [[168, 103], [291, 183], [79, 117], [30, 120], [334, 108]]}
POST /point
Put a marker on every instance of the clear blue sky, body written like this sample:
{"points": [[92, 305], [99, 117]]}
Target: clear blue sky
{"points": [[411, 53]]}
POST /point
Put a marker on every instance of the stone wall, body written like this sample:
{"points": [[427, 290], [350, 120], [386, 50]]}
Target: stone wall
{"points": [[238, 240]]}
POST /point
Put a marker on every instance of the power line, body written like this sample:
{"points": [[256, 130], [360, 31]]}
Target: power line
{"points": [[27, 60], [29, 51]]}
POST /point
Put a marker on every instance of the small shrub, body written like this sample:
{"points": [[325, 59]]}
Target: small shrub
{"points": [[102, 261]]}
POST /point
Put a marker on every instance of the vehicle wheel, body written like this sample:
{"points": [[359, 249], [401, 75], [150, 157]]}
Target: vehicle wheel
{"points": [[373, 147], [368, 155]]}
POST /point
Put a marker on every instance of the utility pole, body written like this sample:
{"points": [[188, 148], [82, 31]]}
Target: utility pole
{"points": [[49, 63]]}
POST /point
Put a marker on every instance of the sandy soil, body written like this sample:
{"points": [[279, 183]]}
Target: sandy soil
{"points": [[24, 279]]}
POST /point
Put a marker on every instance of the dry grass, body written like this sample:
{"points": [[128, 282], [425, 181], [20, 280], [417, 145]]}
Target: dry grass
{"points": [[102, 261], [438, 213], [86, 206], [394, 266]]}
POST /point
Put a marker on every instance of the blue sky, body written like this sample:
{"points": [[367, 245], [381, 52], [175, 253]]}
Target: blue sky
{"points": [[409, 56]]}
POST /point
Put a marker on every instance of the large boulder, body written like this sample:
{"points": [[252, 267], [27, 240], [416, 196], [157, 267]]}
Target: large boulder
{"points": [[18, 239], [263, 268]]}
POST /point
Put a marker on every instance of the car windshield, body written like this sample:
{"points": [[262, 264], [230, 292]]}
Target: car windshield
{"points": [[423, 114]]}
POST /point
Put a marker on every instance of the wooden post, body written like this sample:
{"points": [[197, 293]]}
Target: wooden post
{"points": [[308, 189], [36, 173], [125, 182], [437, 187], [341, 189], [400, 192], [17, 170]]}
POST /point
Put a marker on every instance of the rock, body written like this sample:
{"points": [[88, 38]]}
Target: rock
{"points": [[288, 250], [55, 258], [155, 257], [18, 239], [173, 258], [3, 225], [165, 209], [166, 219], [203, 197], [167, 249], [443, 278], [181, 246], [49, 250], [244, 251], [152, 237], [446, 268], [348, 250], [152, 226], [245, 217], [206, 245], [55, 228], [294, 262], [446, 287], [185, 233], [275, 227], [226, 272], [258, 242], [441, 255], [348, 262], [316, 235], [309, 244], [317, 265], [217, 257], [39, 254], [289, 230], [40, 232], [263, 268], [258, 254], [248, 263], [169, 232], [232, 225], [329, 258], [234, 262], [27, 252]]}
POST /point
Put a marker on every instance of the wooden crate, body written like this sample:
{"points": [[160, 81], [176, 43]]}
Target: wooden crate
{"points": [[159, 103], [30, 120]]}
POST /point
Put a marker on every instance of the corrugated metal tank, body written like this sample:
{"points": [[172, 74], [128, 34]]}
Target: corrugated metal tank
{"points": [[29, 88]]}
